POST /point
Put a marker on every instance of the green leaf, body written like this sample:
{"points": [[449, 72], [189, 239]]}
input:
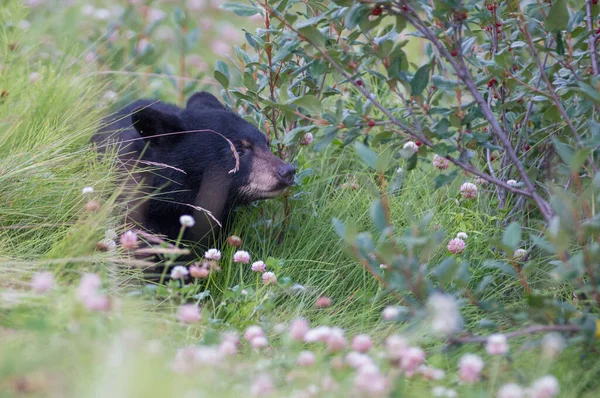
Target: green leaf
{"points": [[512, 235], [313, 35], [368, 156], [564, 151], [242, 10], [308, 102], [502, 267], [222, 74], [378, 215], [558, 17], [444, 179], [420, 80]]}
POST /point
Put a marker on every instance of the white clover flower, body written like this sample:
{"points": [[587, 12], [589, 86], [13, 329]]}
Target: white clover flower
{"points": [[468, 190], [187, 221], [445, 316], [178, 272], [545, 387], [462, 236], [497, 344], [512, 183], [519, 254], [411, 145], [87, 190], [212, 254]]}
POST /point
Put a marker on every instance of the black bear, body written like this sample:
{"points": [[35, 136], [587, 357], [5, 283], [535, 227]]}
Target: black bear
{"points": [[206, 158]]}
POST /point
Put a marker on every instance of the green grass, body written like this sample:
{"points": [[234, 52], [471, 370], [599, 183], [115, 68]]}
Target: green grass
{"points": [[50, 346]]}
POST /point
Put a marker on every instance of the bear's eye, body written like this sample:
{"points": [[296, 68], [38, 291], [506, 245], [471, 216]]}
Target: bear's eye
{"points": [[240, 152]]}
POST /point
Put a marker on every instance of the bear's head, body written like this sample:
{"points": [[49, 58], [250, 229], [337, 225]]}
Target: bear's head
{"points": [[223, 159]]}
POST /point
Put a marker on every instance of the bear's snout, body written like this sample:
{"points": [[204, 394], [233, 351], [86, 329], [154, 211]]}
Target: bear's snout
{"points": [[286, 174]]}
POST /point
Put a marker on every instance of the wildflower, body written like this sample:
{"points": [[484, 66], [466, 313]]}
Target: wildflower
{"points": [[544, 387], [319, 334], [259, 342], [468, 190], [370, 381], [469, 368], [187, 221], [129, 240], [411, 360], [306, 358], [497, 344], [512, 183], [357, 360], [142, 46], [87, 10], [96, 302], [336, 340], [396, 346], [298, 329], [90, 57], [253, 332], [323, 302], [34, 77], [259, 266], [241, 256], [431, 373], [155, 15], [362, 343], [101, 14], [228, 348], [189, 313], [462, 236], [263, 385], [440, 162], [411, 145], [306, 139], [269, 278], [383, 266], [519, 254], [199, 272], [213, 254], [92, 206], [441, 391], [552, 344], [391, 313], [220, 47], [446, 319], [511, 390], [234, 241], [88, 285], [42, 282], [456, 245], [179, 272]]}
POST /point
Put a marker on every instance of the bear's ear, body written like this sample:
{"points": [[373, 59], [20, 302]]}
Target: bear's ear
{"points": [[202, 99], [152, 122]]}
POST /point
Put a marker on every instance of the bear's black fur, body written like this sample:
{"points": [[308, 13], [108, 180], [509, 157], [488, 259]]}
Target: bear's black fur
{"points": [[194, 151]]}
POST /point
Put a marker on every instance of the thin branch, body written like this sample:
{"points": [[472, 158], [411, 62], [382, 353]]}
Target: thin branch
{"points": [[463, 73], [592, 39]]}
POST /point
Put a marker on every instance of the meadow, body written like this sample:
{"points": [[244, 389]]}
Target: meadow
{"points": [[64, 65]]}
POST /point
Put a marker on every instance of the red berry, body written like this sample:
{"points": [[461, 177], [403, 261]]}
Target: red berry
{"points": [[515, 68], [598, 31], [359, 82], [527, 147], [404, 8], [418, 143], [377, 11], [509, 49], [594, 2], [492, 82], [454, 53], [371, 123], [498, 24], [490, 7]]}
